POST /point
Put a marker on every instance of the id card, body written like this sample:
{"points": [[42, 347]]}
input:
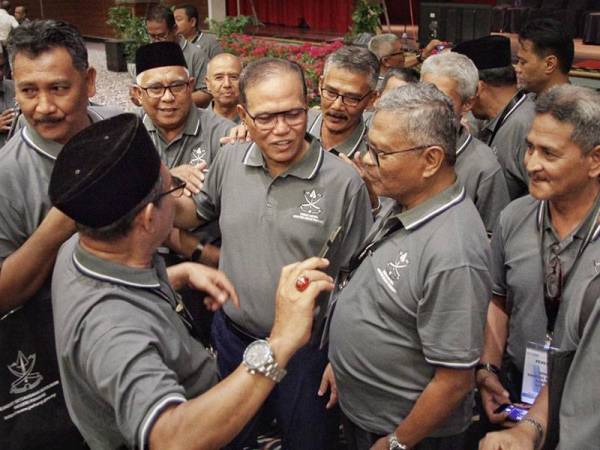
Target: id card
{"points": [[535, 371]]}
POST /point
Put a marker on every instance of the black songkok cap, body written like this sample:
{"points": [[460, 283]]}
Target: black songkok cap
{"points": [[104, 171], [158, 54], [489, 52]]}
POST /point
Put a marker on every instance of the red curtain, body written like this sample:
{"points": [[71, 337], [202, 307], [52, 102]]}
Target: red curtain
{"points": [[332, 15]]}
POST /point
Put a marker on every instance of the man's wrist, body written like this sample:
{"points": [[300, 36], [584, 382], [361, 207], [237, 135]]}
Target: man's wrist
{"points": [[536, 431]]}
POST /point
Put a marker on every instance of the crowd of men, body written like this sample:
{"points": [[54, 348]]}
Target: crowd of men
{"points": [[406, 260]]}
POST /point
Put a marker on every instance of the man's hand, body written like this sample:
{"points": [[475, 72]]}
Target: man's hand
{"points": [[192, 175], [493, 395], [294, 309], [365, 171], [521, 437], [214, 282], [6, 118], [236, 134], [328, 381]]}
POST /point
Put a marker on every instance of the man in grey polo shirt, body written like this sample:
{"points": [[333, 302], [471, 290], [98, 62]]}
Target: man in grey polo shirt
{"points": [[278, 200], [134, 374], [507, 112], [347, 88], [161, 26], [188, 25], [476, 166], [578, 424], [53, 84], [534, 282], [7, 103], [184, 135], [408, 323]]}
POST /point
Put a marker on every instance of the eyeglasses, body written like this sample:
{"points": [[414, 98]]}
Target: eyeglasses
{"points": [[267, 121], [377, 154], [393, 54], [552, 284], [175, 88], [348, 100], [158, 37], [178, 185]]}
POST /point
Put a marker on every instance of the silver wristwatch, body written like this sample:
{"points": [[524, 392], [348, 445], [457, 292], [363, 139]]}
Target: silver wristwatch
{"points": [[259, 358], [394, 443]]}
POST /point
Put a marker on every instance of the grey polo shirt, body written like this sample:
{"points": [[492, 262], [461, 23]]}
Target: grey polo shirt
{"points": [[509, 144], [7, 100], [124, 353], [199, 140], [267, 222], [417, 301], [353, 144], [579, 418], [208, 43], [477, 168], [237, 119], [518, 273], [197, 60]]}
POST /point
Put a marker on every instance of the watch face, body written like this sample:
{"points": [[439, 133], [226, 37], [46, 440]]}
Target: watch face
{"points": [[257, 354]]}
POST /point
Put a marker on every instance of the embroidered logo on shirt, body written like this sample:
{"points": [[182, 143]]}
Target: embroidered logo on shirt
{"points": [[597, 266], [198, 156], [391, 273], [310, 209], [22, 368]]}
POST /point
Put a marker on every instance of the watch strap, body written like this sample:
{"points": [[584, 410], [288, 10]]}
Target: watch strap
{"points": [[489, 367], [394, 443]]}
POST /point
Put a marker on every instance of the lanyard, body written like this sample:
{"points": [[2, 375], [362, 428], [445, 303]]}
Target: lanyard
{"points": [[514, 103], [552, 306]]}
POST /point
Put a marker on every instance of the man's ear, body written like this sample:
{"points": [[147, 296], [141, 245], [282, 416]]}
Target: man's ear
{"points": [[242, 113], [434, 157], [551, 64], [468, 105], [594, 157], [145, 218], [90, 81]]}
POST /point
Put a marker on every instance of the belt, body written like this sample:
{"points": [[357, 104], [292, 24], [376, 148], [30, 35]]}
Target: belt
{"points": [[240, 331]]}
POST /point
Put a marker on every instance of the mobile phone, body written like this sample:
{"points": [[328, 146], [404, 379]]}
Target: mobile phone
{"points": [[516, 413], [329, 243]]}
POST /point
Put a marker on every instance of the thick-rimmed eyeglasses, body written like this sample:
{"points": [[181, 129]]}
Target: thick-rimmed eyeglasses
{"points": [[348, 100], [177, 187], [378, 154], [267, 121], [157, 91]]}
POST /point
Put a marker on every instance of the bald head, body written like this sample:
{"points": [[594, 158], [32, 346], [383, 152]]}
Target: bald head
{"points": [[222, 79]]}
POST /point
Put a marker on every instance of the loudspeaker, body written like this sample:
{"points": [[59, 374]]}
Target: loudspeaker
{"points": [[453, 22]]}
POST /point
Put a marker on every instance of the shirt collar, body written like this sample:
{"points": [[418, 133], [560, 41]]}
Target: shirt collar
{"points": [[183, 42], [306, 168], [104, 270], [543, 215], [463, 141], [424, 212], [48, 148], [350, 145]]}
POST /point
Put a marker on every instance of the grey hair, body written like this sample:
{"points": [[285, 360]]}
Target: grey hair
{"points": [[427, 116], [382, 44], [455, 66], [578, 106], [355, 60]]}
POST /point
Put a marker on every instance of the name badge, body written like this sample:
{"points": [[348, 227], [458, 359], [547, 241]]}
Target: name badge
{"points": [[535, 370]]}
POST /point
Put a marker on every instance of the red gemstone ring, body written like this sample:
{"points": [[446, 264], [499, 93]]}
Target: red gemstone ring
{"points": [[302, 282]]}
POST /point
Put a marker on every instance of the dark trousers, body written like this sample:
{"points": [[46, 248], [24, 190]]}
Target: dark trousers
{"points": [[359, 439], [301, 414]]}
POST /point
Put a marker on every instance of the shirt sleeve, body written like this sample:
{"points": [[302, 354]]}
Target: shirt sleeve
{"points": [[12, 228], [124, 366], [451, 316], [492, 198], [208, 200], [497, 266]]}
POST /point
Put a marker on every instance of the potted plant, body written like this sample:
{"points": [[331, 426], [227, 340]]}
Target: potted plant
{"points": [[131, 31]]}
